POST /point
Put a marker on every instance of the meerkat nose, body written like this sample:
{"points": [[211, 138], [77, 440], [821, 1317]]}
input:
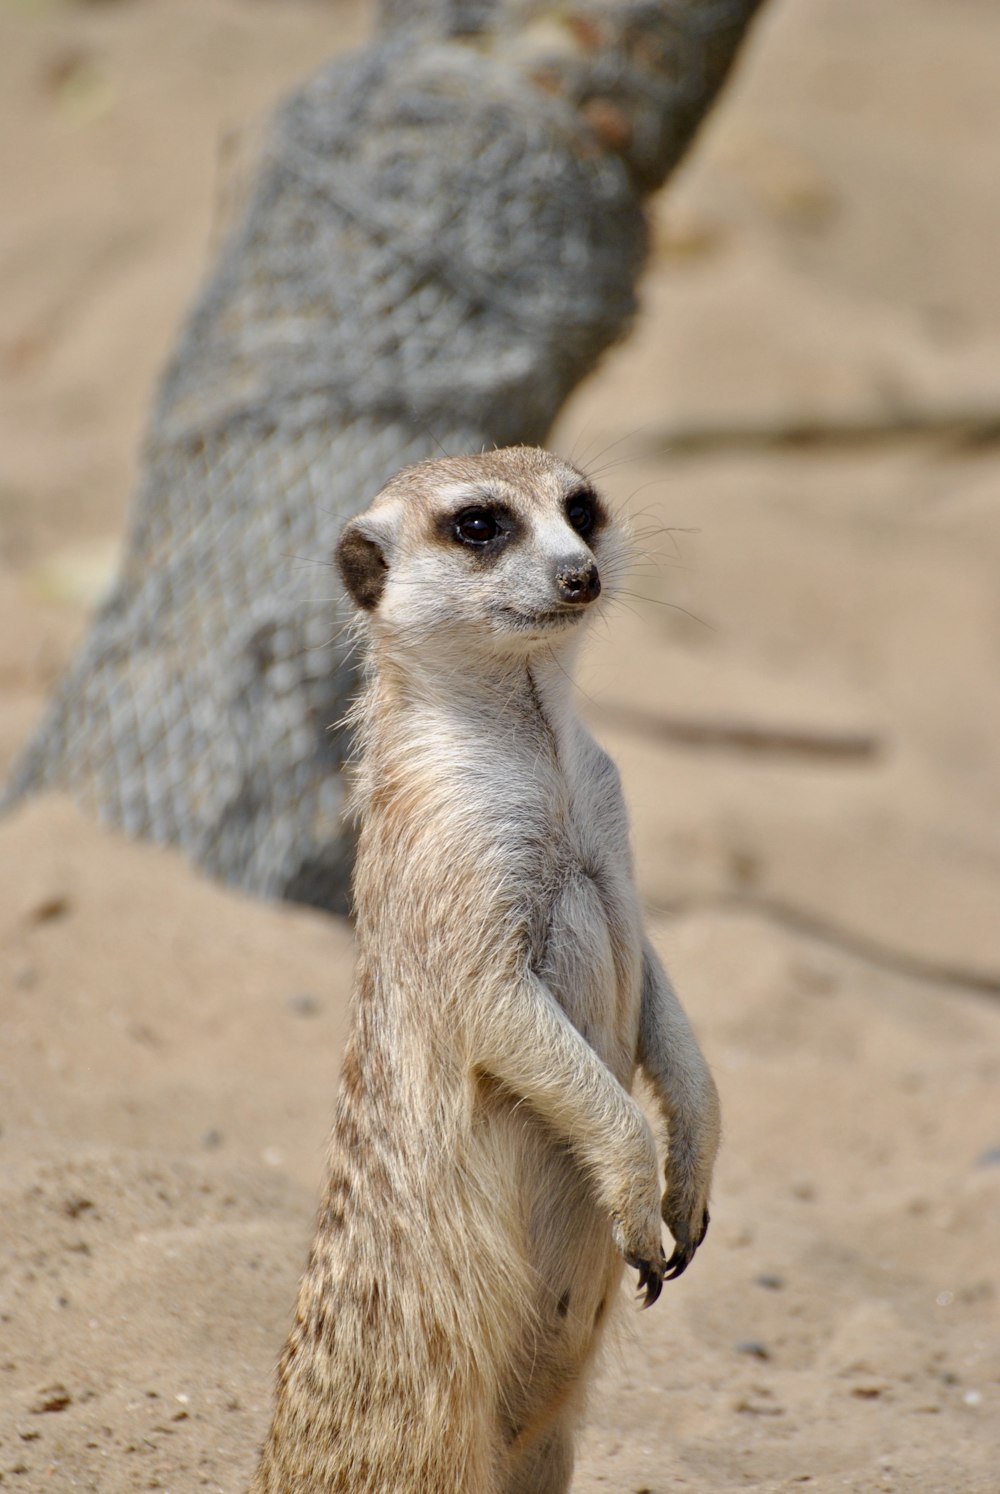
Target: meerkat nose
{"points": [[578, 583]]}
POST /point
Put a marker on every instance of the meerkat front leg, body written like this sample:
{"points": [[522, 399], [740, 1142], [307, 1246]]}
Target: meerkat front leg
{"points": [[529, 1044], [673, 1063]]}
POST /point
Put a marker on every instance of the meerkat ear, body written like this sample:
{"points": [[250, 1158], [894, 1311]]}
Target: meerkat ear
{"points": [[361, 561]]}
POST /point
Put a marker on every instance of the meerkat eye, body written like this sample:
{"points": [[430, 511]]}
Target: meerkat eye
{"points": [[581, 511], [476, 526]]}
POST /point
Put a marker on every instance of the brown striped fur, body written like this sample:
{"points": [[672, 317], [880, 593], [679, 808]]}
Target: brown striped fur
{"points": [[489, 1170]]}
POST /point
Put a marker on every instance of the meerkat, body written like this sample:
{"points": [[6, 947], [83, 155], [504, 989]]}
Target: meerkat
{"points": [[490, 1174]]}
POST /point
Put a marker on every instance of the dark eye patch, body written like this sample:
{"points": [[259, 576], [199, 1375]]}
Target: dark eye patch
{"points": [[584, 512], [484, 528]]}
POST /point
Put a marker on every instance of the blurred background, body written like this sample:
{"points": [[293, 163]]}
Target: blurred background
{"points": [[802, 686]]}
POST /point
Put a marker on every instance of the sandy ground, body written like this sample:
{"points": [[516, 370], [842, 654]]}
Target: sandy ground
{"points": [[803, 691]]}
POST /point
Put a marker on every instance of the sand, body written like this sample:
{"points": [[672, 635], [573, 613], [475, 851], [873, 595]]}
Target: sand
{"points": [[803, 692]]}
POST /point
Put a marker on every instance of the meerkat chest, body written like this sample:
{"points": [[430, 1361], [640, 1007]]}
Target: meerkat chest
{"points": [[591, 956]]}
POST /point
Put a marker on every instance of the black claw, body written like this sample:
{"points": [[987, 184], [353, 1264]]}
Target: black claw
{"points": [[679, 1261], [650, 1278], [683, 1253]]}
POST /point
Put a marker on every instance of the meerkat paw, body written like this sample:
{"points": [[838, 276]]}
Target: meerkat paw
{"points": [[643, 1251], [651, 1277], [688, 1223]]}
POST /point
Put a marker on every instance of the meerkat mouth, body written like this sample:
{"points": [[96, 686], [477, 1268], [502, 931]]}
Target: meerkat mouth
{"points": [[548, 619]]}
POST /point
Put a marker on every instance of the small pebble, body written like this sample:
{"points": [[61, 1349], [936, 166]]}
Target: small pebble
{"points": [[759, 1405], [754, 1348], [49, 909], [74, 1207], [52, 1398], [769, 1281], [304, 1005]]}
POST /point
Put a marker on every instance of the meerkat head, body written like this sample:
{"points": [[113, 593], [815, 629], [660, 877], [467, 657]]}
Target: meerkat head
{"points": [[507, 550]]}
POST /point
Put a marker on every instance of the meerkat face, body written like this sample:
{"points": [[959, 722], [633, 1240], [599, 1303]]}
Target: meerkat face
{"points": [[510, 549]]}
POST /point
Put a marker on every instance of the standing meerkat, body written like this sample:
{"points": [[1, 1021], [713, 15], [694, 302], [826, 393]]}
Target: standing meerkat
{"points": [[490, 1172]]}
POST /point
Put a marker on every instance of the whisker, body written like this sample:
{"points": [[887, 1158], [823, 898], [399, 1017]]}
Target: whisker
{"points": [[674, 606], [622, 461], [345, 627], [629, 435], [440, 446], [310, 560], [616, 601], [654, 482], [575, 683]]}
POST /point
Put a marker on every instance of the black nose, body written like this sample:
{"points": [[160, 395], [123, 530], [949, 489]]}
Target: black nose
{"points": [[578, 583]]}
